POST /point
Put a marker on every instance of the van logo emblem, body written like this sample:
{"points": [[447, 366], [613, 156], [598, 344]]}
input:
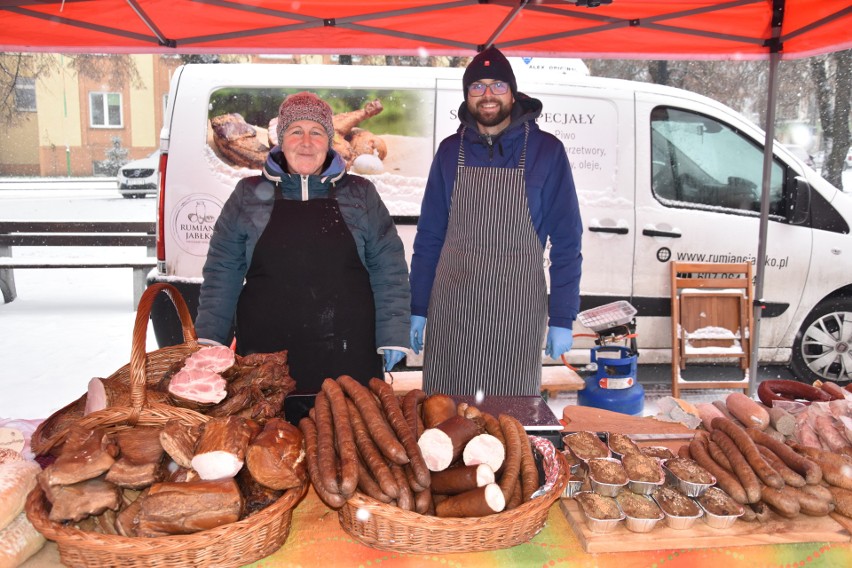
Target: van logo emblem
{"points": [[192, 222]]}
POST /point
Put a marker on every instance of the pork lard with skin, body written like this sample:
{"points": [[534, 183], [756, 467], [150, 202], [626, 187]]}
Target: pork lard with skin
{"points": [[86, 454], [221, 449]]}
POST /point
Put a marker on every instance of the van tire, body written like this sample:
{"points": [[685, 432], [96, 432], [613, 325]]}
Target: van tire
{"points": [[821, 335]]}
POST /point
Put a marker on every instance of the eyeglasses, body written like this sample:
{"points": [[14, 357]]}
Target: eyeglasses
{"points": [[497, 88]]}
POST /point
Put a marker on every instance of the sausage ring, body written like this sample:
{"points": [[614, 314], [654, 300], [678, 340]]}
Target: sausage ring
{"points": [[769, 391]]}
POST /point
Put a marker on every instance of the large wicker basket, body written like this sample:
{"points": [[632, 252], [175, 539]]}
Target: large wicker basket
{"points": [[386, 527], [234, 544]]}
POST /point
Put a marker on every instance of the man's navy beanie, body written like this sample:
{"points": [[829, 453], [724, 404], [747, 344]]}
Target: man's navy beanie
{"points": [[489, 64]]}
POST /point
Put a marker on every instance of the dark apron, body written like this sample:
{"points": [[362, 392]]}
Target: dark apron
{"points": [[307, 291], [488, 308]]}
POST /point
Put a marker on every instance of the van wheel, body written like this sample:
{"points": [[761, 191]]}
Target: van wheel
{"points": [[822, 349]]}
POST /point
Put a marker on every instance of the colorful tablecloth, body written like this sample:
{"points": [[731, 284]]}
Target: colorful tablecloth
{"points": [[316, 539]]}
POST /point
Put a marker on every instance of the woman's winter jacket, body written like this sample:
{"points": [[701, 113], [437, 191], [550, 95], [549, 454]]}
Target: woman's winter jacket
{"points": [[245, 215]]}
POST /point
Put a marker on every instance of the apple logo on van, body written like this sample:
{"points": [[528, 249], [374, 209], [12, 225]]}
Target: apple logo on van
{"points": [[193, 220]]}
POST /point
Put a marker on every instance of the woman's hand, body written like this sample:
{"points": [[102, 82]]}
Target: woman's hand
{"points": [[392, 357]]}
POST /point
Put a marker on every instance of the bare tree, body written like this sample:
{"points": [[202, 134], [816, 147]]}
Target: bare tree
{"points": [[118, 69], [819, 87], [16, 68], [832, 77]]}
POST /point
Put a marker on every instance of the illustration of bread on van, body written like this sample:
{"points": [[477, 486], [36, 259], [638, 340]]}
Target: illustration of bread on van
{"points": [[245, 145]]}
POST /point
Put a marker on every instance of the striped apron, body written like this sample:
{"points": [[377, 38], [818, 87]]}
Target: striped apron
{"points": [[488, 307]]}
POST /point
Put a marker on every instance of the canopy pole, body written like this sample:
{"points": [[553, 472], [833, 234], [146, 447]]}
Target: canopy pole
{"points": [[774, 58], [504, 24]]}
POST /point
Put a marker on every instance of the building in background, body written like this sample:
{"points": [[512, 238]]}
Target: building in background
{"points": [[71, 121]]}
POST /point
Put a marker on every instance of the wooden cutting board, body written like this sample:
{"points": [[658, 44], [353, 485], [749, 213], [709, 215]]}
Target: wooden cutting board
{"points": [[776, 531], [577, 418]]}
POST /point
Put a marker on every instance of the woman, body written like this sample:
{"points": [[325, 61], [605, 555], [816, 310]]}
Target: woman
{"points": [[307, 258]]}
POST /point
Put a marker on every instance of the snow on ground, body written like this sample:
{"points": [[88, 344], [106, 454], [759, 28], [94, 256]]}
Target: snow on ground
{"points": [[65, 327]]}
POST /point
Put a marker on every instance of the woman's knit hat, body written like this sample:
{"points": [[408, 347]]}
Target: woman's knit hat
{"points": [[305, 106], [489, 64]]}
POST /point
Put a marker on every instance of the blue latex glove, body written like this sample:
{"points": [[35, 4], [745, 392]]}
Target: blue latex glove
{"points": [[559, 341], [418, 324], [392, 357]]}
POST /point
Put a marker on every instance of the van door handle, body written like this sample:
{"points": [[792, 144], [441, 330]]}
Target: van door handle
{"points": [[656, 233], [615, 230]]}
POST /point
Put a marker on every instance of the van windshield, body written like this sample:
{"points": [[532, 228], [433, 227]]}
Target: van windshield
{"points": [[699, 161]]}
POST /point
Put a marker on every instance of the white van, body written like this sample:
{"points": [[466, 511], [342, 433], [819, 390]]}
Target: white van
{"points": [[662, 174]]}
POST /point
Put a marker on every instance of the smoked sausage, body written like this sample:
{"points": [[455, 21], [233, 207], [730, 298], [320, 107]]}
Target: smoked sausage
{"points": [[372, 457], [805, 467], [739, 464], [396, 418], [749, 450], [374, 420], [724, 478], [327, 459], [344, 439], [309, 429]]}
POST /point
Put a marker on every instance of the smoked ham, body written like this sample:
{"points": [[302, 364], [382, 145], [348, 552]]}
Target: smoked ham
{"points": [[276, 456], [237, 141], [256, 497], [185, 508], [216, 358], [105, 393], [197, 388]]}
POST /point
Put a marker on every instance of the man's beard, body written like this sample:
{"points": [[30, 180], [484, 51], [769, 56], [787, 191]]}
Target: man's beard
{"points": [[488, 119]]}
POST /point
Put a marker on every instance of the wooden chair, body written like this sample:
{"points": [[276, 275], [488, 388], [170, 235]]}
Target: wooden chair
{"points": [[711, 318]]}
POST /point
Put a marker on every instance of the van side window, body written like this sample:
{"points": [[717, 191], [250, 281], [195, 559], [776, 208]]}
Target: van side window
{"points": [[699, 162]]}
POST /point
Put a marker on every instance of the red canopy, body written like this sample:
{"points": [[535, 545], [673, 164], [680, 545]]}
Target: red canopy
{"points": [[635, 29]]}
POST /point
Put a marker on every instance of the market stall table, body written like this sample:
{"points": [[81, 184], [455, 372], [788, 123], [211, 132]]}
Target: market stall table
{"points": [[316, 539]]}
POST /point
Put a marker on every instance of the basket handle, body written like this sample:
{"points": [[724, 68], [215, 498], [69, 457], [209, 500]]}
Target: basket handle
{"points": [[138, 354]]}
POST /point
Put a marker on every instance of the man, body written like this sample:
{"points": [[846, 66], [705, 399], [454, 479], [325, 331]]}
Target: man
{"points": [[497, 190]]}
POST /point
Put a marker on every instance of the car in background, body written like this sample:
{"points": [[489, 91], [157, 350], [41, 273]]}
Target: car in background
{"points": [[801, 153], [140, 177]]}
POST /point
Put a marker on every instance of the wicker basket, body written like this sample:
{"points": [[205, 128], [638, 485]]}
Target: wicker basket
{"points": [[234, 544], [52, 431], [386, 527]]}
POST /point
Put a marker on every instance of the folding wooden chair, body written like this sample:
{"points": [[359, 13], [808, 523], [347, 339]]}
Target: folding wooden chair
{"points": [[711, 318]]}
